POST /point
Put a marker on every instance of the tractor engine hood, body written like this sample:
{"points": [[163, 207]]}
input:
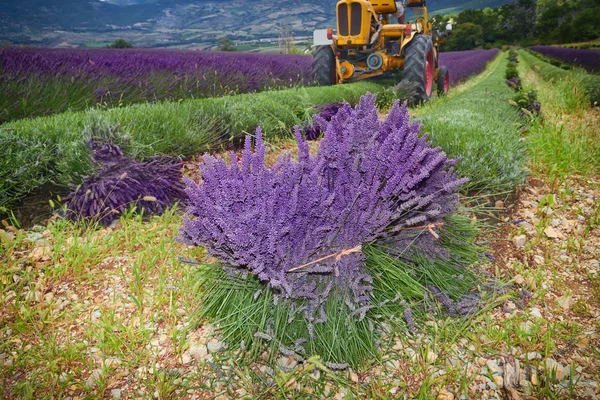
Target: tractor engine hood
{"points": [[355, 22]]}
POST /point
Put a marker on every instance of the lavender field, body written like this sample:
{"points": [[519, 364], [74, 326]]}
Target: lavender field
{"points": [[587, 59], [37, 82], [464, 64], [40, 82]]}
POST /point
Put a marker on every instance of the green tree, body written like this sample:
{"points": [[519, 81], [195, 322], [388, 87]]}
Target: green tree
{"points": [[226, 44], [466, 36], [586, 24], [120, 44]]}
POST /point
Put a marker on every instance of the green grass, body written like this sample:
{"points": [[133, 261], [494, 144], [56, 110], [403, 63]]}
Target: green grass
{"points": [[588, 83], [183, 128], [480, 126], [566, 141]]}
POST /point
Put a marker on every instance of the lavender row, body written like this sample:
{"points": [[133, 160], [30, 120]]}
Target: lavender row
{"points": [[464, 64], [38, 82], [587, 59]]}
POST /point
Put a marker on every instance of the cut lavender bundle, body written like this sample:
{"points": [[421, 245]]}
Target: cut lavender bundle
{"points": [[120, 182], [299, 226], [326, 112]]}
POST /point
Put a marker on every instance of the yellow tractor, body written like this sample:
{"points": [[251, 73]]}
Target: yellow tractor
{"points": [[367, 44]]}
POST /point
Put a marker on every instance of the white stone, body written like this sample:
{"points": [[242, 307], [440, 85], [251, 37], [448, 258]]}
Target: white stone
{"points": [[94, 378], [551, 232], [198, 352], [520, 240], [493, 367], [445, 395], [565, 302], [214, 346], [499, 381], [115, 393], [538, 259], [535, 312], [287, 362], [431, 356], [186, 358]]}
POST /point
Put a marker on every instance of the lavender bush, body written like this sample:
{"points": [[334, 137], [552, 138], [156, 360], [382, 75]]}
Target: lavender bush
{"points": [[464, 64], [587, 59], [121, 182], [299, 226]]}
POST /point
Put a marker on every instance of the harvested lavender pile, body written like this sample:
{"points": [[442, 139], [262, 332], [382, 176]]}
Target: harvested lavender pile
{"points": [[326, 112], [300, 227], [121, 182]]}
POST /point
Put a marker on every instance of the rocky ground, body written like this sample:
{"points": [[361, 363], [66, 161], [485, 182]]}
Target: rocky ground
{"points": [[540, 343]]}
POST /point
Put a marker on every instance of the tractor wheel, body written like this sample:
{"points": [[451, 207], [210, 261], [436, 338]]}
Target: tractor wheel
{"points": [[443, 83], [323, 66], [419, 66]]}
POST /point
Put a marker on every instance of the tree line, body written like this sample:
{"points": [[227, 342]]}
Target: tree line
{"points": [[524, 22]]}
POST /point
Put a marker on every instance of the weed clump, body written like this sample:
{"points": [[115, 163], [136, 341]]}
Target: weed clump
{"points": [[511, 71], [528, 103]]}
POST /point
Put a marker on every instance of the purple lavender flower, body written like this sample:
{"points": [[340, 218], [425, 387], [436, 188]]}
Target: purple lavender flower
{"points": [[525, 297], [104, 151], [468, 304], [299, 226], [409, 319], [443, 299], [490, 256], [134, 76]]}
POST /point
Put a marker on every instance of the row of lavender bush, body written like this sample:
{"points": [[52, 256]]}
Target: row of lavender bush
{"points": [[587, 59], [54, 149], [590, 83], [37, 81], [464, 64]]}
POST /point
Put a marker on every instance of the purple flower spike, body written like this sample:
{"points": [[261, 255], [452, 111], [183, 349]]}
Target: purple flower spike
{"points": [[409, 319]]}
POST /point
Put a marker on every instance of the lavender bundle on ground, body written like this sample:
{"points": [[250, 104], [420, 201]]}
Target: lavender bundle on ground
{"points": [[299, 225], [121, 182], [326, 112]]}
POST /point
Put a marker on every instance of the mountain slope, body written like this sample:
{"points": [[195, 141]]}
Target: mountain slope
{"points": [[172, 22]]}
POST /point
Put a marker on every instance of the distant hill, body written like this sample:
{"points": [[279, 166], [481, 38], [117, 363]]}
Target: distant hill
{"points": [[161, 23]]}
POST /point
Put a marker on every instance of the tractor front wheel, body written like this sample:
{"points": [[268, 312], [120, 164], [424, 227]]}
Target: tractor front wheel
{"points": [[419, 65], [443, 83], [323, 66]]}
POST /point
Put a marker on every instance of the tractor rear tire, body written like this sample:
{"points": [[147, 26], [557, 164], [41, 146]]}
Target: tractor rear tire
{"points": [[419, 65], [323, 66], [443, 83]]}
